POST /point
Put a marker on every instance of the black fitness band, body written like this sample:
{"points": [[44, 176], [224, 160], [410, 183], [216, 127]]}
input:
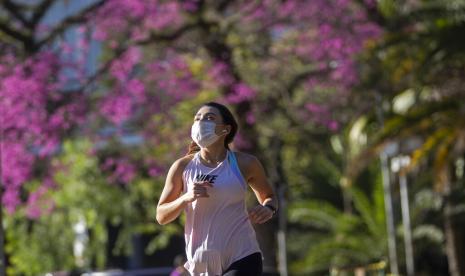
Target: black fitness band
{"points": [[271, 207]]}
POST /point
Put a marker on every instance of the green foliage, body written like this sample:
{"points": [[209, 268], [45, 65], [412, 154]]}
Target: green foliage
{"points": [[417, 71], [338, 238], [83, 194], [419, 66], [35, 247]]}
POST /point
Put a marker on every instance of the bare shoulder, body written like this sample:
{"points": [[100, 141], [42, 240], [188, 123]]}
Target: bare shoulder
{"points": [[250, 166], [181, 163], [246, 160]]}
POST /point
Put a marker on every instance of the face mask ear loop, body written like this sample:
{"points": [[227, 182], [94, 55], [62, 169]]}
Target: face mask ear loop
{"points": [[224, 131]]}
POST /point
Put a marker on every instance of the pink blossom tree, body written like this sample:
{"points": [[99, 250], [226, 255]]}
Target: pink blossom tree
{"points": [[268, 59]]}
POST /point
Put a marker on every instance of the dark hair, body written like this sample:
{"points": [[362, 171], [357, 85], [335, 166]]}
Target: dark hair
{"points": [[228, 119]]}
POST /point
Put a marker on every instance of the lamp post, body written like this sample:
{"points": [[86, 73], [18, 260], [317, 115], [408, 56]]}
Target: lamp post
{"points": [[398, 164], [389, 215], [282, 225], [391, 234]]}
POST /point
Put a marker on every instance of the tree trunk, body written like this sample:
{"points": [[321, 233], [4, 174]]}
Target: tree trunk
{"points": [[276, 229], [454, 225], [267, 232], [454, 231], [218, 49]]}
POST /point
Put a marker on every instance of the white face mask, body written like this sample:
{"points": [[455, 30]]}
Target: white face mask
{"points": [[203, 133]]}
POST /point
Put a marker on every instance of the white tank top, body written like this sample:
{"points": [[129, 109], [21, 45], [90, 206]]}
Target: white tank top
{"points": [[218, 231]]}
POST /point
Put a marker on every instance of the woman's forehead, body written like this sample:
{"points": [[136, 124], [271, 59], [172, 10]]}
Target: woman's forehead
{"points": [[208, 109]]}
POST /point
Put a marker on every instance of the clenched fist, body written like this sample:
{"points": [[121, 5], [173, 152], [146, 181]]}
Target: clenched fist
{"points": [[199, 190], [260, 214]]}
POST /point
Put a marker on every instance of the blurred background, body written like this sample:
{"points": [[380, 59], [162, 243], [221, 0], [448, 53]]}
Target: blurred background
{"points": [[355, 108]]}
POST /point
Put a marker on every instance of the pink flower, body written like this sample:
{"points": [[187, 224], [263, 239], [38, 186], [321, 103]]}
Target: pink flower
{"points": [[250, 118], [121, 68], [241, 142], [121, 170], [155, 171], [240, 92], [10, 199], [314, 108], [38, 203], [136, 89], [117, 109], [333, 125], [221, 74], [173, 77]]}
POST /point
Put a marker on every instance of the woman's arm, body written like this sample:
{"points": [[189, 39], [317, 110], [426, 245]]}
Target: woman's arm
{"points": [[255, 176], [171, 202]]}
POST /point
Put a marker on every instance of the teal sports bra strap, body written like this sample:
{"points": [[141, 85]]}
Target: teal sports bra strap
{"points": [[235, 168]]}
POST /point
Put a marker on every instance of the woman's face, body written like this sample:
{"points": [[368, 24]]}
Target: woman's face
{"points": [[211, 114]]}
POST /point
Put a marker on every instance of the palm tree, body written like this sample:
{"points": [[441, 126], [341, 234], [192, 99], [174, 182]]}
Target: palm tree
{"points": [[419, 70], [340, 239]]}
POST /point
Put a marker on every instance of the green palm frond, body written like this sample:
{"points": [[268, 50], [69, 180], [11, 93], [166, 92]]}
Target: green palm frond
{"points": [[317, 213], [368, 213], [441, 161], [342, 239], [426, 148], [420, 119]]}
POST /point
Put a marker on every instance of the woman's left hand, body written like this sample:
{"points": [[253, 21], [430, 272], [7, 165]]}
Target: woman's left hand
{"points": [[260, 214]]}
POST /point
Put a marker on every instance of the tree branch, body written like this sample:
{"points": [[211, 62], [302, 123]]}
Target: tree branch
{"points": [[16, 34], [15, 9], [303, 75], [373, 13], [40, 11], [123, 48], [222, 5], [66, 23], [159, 37]]}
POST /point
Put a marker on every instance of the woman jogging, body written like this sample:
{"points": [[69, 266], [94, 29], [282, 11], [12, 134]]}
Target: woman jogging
{"points": [[210, 185]]}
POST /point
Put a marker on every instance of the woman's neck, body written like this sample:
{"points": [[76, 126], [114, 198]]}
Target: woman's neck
{"points": [[213, 154]]}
